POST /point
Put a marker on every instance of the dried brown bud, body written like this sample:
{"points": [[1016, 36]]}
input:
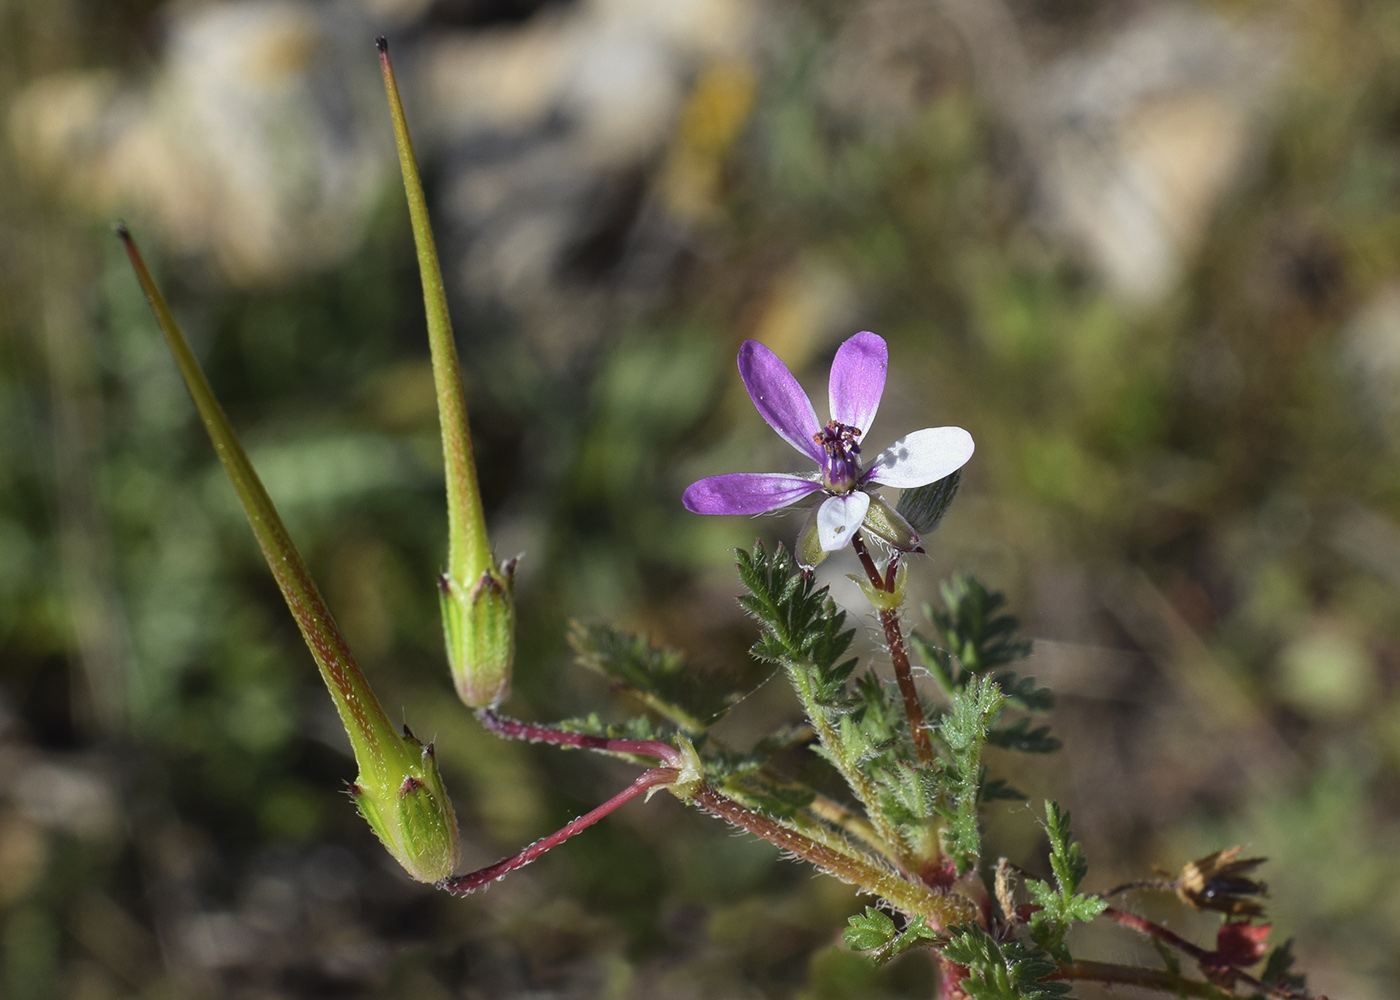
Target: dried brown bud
{"points": [[1221, 882]]}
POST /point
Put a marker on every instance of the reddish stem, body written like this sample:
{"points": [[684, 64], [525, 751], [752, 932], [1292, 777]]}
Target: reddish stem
{"points": [[516, 730], [868, 562], [904, 677], [463, 884], [1144, 926], [1152, 979], [1208, 961], [899, 656]]}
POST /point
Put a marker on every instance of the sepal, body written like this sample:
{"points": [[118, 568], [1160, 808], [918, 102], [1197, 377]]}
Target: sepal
{"points": [[924, 506], [410, 813], [479, 628], [885, 522]]}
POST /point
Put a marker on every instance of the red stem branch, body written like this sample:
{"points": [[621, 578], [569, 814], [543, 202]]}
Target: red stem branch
{"points": [[463, 884], [514, 729], [1209, 962], [1130, 975]]}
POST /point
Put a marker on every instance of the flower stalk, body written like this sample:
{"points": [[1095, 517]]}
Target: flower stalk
{"points": [[887, 596]]}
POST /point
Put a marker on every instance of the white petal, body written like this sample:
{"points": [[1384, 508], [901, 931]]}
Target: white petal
{"points": [[922, 457], [839, 517]]}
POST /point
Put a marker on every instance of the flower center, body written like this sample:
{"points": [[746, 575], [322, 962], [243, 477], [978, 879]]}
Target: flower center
{"points": [[841, 469]]}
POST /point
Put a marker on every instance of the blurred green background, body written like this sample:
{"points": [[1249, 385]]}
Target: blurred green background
{"points": [[1147, 252]]}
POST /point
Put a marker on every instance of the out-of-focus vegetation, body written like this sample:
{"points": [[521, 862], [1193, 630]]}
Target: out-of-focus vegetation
{"points": [[1147, 253]]}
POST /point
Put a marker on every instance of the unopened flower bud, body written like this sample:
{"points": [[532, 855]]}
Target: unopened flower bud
{"points": [[924, 506], [410, 813], [479, 625]]}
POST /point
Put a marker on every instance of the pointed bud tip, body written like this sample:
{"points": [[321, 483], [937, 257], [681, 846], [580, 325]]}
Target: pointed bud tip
{"points": [[122, 232], [382, 44]]}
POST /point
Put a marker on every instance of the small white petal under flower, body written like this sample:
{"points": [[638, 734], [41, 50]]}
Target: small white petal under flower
{"points": [[839, 517]]}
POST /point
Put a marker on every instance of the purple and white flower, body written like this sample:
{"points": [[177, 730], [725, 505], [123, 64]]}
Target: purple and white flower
{"points": [[842, 488]]}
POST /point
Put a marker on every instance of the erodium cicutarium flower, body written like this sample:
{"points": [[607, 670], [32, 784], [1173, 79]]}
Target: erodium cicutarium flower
{"points": [[841, 491]]}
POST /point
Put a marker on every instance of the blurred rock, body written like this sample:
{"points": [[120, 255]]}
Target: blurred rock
{"points": [[69, 797], [253, 142], [1370, 347], [890, 59], [548, 127], [1143, 135]]}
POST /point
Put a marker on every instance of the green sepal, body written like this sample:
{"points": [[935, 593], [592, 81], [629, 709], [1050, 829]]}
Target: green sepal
{"points": [[413, 817], [479, 628], [809, 549], [884, 600], [924, 506], [883, 520]]}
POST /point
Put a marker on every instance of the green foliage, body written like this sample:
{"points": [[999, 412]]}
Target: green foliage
{"points": [[964, 733], [1020, 736], [876, 933], [660, 677], [974, 639], [1061, 905], [1006, 971], [802, 628], [862, 729], [972, 631], [636, 727], [1278, 971]]}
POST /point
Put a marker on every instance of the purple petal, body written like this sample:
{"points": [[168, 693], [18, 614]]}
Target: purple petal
{"points": [[922, 457], [746, 493], [779, 399], [858, 380], [839, 517]]}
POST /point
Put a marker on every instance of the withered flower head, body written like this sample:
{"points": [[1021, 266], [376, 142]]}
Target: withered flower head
{"points": [[1221, 882]]}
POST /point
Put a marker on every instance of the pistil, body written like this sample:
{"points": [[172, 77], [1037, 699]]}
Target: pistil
{"points": [[841, 467]]}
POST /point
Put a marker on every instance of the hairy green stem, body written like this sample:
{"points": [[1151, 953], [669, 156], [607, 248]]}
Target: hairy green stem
{"points": [[940, 910], [858, 781]]}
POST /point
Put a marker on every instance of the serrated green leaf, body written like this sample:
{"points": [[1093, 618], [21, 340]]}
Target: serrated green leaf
{"points": [[1002, 972], [661, 678], [1060, 904], [1278, 970], [869, 930], [1066, 856]]}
